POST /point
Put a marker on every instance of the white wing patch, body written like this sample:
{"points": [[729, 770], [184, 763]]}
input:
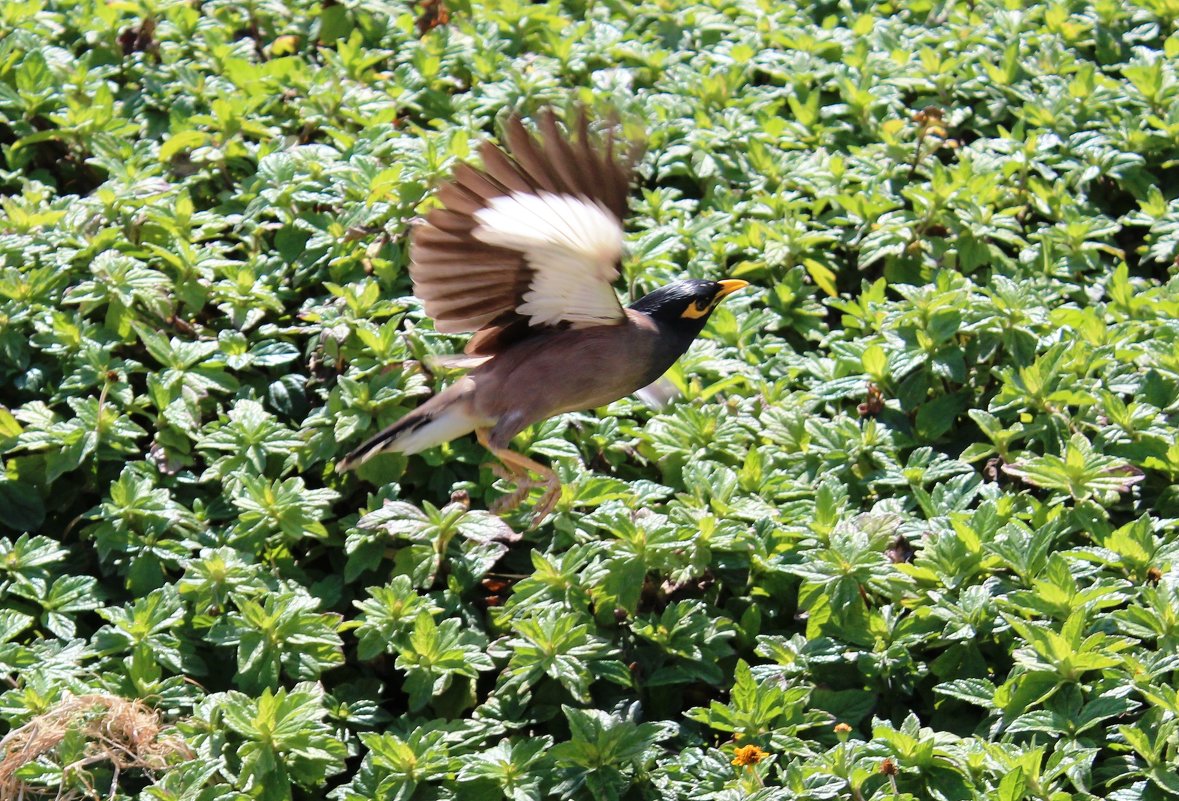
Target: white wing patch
{"points": [[572, 245]]}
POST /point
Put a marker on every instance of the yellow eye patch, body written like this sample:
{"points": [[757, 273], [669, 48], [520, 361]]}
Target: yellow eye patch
{"points": [[703, 307], [698, 309]]}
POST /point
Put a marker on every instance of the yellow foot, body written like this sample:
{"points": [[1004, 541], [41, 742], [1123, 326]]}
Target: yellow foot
{"points": [[515, 468], [547, 501], [509, 502]]}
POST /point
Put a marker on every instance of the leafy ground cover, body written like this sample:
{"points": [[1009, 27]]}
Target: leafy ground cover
{"points": [[910, 531]]}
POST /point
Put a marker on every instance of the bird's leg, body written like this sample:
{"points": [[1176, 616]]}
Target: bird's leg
{"points": [[508, 471], [519, 465], [523, 485]]}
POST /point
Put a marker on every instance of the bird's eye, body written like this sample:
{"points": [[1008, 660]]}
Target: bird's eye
{"points": [[698, 308]]}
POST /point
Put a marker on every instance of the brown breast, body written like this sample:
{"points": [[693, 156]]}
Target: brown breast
{"points": [[569, 370]]}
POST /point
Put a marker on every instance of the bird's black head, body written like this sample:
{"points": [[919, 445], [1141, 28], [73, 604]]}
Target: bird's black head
{"points": [[684, 306], [680, 310]]}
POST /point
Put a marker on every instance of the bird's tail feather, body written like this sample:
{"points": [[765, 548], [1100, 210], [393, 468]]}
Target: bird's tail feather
{"points": [[440, 420]]}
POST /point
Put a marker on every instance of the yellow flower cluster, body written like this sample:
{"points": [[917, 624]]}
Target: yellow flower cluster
{"points": [[748, 755]]}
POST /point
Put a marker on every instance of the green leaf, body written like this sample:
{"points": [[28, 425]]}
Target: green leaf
{"points": [[21, 507], [875, 362]]}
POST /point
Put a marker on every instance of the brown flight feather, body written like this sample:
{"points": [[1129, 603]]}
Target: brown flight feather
{"points": [[469, 285]]}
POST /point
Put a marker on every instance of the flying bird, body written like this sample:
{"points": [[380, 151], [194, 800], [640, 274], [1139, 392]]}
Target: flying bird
{"points": [[524, 253]]}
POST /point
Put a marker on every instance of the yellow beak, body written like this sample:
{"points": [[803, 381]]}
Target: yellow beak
{"points": [[729, 286]]}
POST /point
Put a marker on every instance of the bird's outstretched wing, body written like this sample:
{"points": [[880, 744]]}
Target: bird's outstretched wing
{"points": [[532, 240]]}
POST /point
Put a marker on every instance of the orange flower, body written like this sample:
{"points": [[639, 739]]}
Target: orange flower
{"points": [[748, 755]]}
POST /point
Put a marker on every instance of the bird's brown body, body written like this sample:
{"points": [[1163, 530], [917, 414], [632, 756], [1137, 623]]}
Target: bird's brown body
{"points": [[584, 358], [524, 254]]}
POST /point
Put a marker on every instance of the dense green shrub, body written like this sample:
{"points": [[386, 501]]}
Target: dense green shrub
{"points": [[909, 530]]}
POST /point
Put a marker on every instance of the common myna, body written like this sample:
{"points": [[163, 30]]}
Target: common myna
{"points": [[524, 253]]}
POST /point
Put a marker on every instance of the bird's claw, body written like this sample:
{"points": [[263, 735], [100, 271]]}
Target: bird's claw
{"points": [[547, 502], [524, 485], [509, 502]]}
